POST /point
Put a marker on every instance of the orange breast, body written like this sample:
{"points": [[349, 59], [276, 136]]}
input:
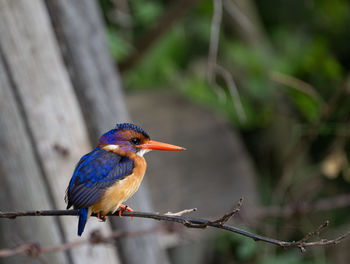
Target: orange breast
{"points": [[123, 189]]}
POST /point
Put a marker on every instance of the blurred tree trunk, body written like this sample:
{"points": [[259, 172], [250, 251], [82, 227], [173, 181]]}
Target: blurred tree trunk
{"points": [[82, 38], [42, 134], [21, 179]]}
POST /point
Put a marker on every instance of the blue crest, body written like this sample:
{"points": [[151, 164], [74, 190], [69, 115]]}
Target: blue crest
{"points": [[131, 127]]}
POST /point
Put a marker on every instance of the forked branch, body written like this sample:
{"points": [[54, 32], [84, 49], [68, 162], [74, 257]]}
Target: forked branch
{"points": [[189, 222]]}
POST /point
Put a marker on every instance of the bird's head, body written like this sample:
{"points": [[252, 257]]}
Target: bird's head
{"points": [[129, 137]]}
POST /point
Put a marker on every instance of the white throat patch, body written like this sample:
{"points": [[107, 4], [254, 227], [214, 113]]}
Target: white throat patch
{"points": [[142, 152]]}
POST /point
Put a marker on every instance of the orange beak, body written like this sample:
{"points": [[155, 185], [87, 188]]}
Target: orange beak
{"points": [[152, 144]]}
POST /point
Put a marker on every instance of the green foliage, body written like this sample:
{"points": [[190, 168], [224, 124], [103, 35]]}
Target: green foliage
{"points": [[306, 41], [332, 15], [160, 66], [309, 107], [146, 12], [200, 91], [288, 258], [242, 248], [119, 47]]}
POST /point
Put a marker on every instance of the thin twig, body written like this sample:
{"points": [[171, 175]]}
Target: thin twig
{"points": [[227, 216], [314, 233], [186, 211], [193, 223], [233, 91], [214, 40], [240, 17], [302, 146], [95, 237], [295, 83], [302, 208], [214, 69]]}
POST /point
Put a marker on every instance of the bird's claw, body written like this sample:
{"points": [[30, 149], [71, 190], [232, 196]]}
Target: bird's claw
{"points": [[122, 208], [101, 218]]}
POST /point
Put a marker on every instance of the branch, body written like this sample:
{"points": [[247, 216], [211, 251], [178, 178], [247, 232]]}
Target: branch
{"points": [[95, 237], [214, 40], [295, 83], [190, 222], [301, 208], [226, 75], [214, 69], [302, 146], [238, 16], [186, 211], [227, 216]]}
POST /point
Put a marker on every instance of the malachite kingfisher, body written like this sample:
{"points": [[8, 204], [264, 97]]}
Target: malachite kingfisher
{"points": [[110, 174]]}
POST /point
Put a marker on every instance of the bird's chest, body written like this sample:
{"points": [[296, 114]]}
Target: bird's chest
{"points": [[122, 190]]}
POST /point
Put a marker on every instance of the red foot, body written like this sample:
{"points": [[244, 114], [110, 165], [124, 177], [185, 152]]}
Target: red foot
{"points": [[122, 208], [102, 218]]}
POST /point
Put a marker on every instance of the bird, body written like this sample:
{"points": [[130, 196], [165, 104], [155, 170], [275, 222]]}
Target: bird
{"points": [[111, 173]]}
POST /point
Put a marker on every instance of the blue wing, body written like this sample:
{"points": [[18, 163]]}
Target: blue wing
{"points": [[95, 172]]}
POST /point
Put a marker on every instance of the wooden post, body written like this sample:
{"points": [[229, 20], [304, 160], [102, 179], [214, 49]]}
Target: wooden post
{"points": [[82, 38], [52, 119], [21, 179]]}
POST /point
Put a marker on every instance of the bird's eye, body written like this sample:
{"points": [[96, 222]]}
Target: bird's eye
{"points": [[135, 141]]}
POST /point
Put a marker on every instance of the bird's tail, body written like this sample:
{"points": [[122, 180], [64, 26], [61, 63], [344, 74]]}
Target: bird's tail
{"points": [[84, 214]]}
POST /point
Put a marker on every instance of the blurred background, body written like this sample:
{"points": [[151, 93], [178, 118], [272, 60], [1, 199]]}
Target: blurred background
{"points": [[257, 92]]}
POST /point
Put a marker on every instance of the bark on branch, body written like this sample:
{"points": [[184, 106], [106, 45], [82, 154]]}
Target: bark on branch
{"points": [[189, 222]]}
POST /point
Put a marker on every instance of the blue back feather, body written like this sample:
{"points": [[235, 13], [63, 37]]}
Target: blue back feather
{"points": [[93, 174]]}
